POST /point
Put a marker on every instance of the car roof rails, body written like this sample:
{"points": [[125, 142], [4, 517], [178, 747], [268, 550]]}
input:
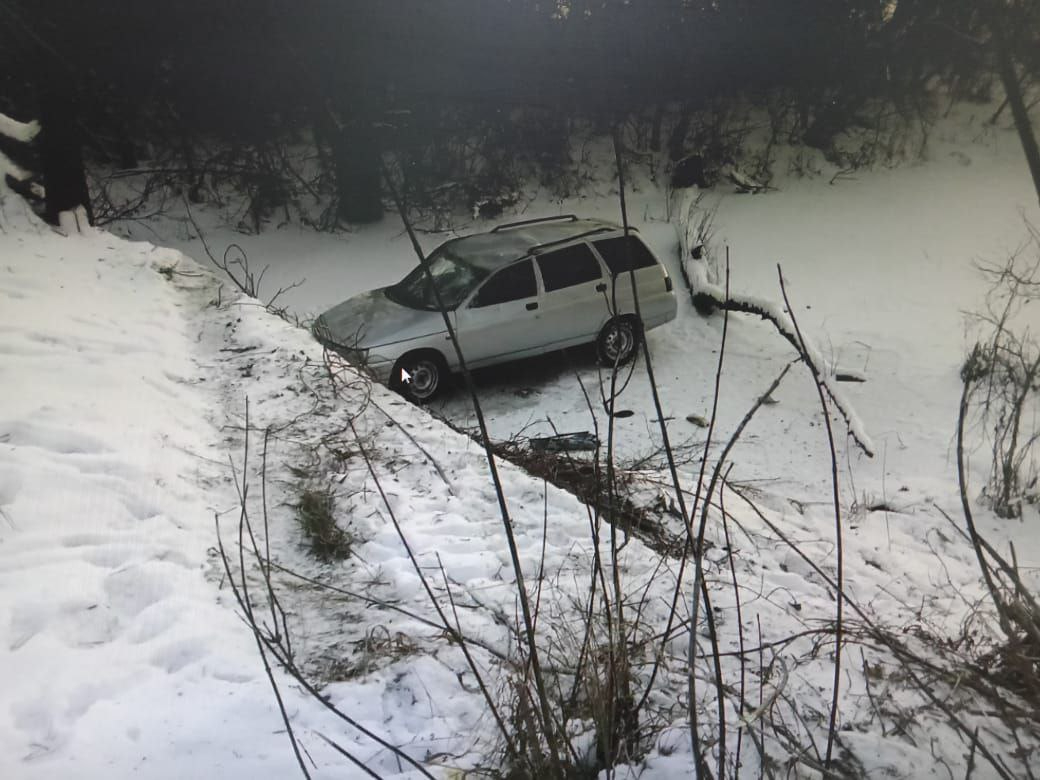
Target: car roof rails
{"points": [[537, 248], [560, 218]]}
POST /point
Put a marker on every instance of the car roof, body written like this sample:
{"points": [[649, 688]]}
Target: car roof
{"points": [[494, 250]]}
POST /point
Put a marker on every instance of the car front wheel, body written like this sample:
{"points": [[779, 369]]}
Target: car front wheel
{"points": [[618, 342], [419, 376]]}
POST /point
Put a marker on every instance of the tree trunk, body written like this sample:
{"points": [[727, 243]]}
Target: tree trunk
{"points": [[677, 139], [61, 155], [655, 131], [126, 150], [355, 154], [1009, 76]]}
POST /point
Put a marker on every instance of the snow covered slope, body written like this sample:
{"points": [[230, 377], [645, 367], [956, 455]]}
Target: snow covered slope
{"points": [[117, 658]]}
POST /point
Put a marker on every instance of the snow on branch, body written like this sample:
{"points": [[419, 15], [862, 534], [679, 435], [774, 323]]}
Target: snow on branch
{"points": [[19, 131], [697, 276], [9, 168]]}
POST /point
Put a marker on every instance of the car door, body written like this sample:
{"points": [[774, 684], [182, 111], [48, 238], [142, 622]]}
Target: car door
{"points": [[499, 321], [573, 304], [652, 281]]}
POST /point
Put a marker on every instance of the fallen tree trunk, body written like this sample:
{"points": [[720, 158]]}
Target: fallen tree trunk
{"points": [[706, 295]]}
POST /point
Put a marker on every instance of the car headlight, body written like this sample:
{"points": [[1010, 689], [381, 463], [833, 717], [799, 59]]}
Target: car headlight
{"points": [[320, 331], [356, 355], [359, 357]]}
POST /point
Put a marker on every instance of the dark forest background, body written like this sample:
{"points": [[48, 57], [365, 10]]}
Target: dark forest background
{"points": [[467, 98]]}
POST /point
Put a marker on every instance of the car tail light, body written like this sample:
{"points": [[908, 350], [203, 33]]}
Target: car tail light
{"points": [[667, 283]]}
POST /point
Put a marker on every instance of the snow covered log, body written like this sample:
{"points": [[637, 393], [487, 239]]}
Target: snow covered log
{"points": [[703, 289]]}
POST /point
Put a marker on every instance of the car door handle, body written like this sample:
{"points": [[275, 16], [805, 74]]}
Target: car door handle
{"points": [[532, 306], [601, 287]]}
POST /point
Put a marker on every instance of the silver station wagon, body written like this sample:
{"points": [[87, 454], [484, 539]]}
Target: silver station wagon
{"points": [[522, 289]]}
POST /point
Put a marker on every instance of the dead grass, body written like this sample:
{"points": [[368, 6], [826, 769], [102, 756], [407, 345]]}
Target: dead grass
{"points": [[316, 515]]}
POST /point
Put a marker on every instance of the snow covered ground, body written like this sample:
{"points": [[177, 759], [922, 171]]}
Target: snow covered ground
{"points": [[127, 369]]}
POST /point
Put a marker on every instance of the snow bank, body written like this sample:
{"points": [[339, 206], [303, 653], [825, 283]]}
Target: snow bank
{"points": [[117, 658]]}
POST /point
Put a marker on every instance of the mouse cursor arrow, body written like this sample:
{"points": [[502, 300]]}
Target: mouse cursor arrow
{"points": [[405, 376]]}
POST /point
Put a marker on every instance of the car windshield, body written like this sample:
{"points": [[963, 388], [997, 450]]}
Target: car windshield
{"points": [[454, 278]]}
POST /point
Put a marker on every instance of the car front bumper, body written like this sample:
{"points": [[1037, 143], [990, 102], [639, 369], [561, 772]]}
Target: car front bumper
{"points": [[364, 360]]}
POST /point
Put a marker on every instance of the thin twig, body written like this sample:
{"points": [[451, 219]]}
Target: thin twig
{"points": [[544, 713], [456, 635], [698, 557], [742, 689], [687, 516], [899, 650], [839, 545]]}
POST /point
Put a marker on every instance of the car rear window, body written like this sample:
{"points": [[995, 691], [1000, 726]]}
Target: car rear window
{"points": [[568, 267], [616, 252], [510, 284]]}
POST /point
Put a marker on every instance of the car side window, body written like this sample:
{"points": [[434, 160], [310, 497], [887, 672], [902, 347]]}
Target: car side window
{"points": [[619, 252], [510, 284], [568, 267]]}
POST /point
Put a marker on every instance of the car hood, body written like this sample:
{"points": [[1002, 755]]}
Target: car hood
{"points": [[373, 320]]}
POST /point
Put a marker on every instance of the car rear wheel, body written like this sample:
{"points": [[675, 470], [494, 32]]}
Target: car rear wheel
{"points": [[419, 376], [618, 342]]}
